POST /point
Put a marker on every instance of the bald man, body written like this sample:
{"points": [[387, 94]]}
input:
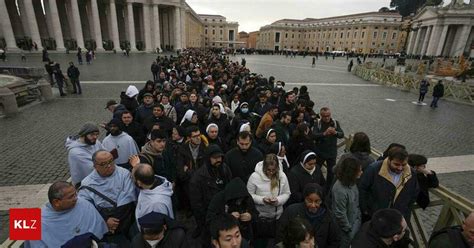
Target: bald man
{"points": [[455, 236], [155, 192]]}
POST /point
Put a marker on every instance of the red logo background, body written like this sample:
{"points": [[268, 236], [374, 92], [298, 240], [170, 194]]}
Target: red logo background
{"points": [[25, 223]]}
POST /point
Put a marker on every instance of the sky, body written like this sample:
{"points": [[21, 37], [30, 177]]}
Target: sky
{"points": [[253, 14]]}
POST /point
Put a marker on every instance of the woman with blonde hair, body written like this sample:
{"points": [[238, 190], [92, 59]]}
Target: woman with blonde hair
{"points": [[270, 190]]}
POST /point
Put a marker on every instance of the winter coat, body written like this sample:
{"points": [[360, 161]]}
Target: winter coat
{"points": [[73, 72], [242, 164], [185, 158], [326, 233], [425, 183], [345, 206], [163, 164], [449, 237], [326, 146], [367, 238], [297, 145], [170, 112], [203, 186], [143, 112], [135, 130], [265, 123], [165, 123], [377, 190], [175, 237], [130, 103], [259, 187], [299, 177], [282, 132], [224, 126], [438, 90]]}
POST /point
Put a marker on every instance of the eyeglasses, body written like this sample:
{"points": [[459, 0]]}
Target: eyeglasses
{"points": [[106, 164]]}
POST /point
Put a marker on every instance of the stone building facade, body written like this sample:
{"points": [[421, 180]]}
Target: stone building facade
{"points": [[218, 32], [101, 24], [372, 32], [443, 31]]}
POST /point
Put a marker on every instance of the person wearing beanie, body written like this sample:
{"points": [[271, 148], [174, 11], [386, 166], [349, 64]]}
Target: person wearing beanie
{"points": [[159, 230], [426, 178], [80, 149], [387, 228], [313, 208], [205, 183], [306, 171]]}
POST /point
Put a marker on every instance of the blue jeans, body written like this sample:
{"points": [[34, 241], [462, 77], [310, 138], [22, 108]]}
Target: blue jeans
{"points": [[434, 103]]}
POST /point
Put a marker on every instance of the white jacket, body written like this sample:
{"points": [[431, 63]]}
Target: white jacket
{"points": [[259, 187]]}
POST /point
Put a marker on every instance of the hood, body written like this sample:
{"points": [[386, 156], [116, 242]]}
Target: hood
{"points": [[148, 149], [131, 91], [165, 188], [235, 189], [259, 171], [217, 99], [72, 142]]}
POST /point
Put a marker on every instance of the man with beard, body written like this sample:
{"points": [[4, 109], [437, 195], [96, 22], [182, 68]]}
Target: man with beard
{"points": [[282, 128], [120, 144], [145, 109], [154, 153], [389, 183], [155, 192], [288, 104], [263, 105], [205, 183], [243, 158], [133, 128], [111, 190], [80, 149], [67, 220]]}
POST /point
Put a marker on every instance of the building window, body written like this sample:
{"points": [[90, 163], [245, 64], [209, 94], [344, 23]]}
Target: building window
{"points": [[384, 35], [205, 31], [363, 35], [375, 35], [342, 35], [213, 32], [292, 36], [355, 35], [221, 31], [394, 35], [286, 36]]}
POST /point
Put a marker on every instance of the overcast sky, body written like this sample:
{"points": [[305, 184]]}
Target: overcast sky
{"points": [[253, 14]]}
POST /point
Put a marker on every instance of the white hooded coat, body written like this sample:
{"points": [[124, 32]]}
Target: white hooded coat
{"points": [[259, 187]]}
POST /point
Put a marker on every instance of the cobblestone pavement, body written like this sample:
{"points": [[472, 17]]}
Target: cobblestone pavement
{"points": [[32, 142]]}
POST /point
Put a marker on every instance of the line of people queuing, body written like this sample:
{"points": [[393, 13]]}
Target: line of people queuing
{"points": [[211, 142]]}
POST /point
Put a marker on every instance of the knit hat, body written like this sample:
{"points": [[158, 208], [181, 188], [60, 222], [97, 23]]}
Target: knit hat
{"points": [[214, 150], [87, 128]]}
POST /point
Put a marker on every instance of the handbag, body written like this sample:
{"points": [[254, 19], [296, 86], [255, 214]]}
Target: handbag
{"points": [[265, 228], [125, 213]]}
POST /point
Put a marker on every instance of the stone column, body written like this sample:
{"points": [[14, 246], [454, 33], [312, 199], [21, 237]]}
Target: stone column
{"points": [[156, 26], [177, 28], [32, 24], [114, 26], [417, 41], [434, 40], [58, 34], [131, 27], [442, 41], [411, 36], [183, 28], [77, 24], [97, 30], [146, 27], [6, 27], [460, 44], [426, 40]]}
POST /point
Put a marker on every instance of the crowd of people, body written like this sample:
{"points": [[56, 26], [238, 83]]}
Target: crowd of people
{"points": [[251, 163]]}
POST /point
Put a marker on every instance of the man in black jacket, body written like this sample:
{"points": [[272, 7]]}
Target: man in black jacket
{"points": [[159, 118], [160, 231], [243, 158], [426, 178], [438, 92], [326, 131], [73, 74], [207, 181], [387, 228], [390, 183], [133, 128]]}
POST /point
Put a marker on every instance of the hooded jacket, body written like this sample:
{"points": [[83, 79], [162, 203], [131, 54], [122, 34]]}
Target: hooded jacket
{"points": [[157, 199], [128, 98], [80, 158], [259, 187]]}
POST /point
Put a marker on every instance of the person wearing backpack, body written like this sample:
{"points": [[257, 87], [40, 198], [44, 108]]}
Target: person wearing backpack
{"points": [[454, 236]]}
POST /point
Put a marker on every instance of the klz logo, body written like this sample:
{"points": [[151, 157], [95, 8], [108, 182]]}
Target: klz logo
{"points": [[25, 224]]}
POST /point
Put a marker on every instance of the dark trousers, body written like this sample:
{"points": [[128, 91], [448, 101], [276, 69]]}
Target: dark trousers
{"points": [[155, 75], [422, 97], [60, 86], [330, 162], [76, 85], [434, 103]]}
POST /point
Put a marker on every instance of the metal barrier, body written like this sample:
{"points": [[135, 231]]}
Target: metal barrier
{"points": [[453, 91], [455, 207]]}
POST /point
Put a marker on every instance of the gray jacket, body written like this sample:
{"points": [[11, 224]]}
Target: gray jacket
{"points": [[345, 206]]}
